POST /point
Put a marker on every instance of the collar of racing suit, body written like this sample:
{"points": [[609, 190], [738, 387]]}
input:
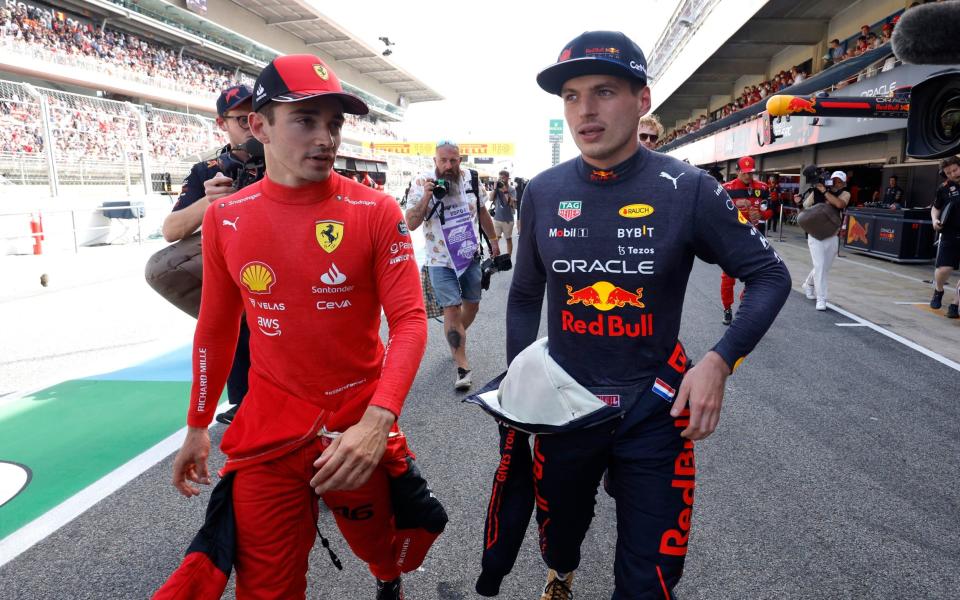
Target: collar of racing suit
{"points": [[614, 174], [304, 194]]}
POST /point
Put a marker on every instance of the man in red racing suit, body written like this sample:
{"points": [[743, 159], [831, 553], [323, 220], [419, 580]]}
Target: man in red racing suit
{"points": [[310, 257], [752, 199]]}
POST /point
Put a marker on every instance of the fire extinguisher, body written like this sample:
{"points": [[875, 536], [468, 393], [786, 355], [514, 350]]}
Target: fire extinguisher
{"points": [[36, 231]]}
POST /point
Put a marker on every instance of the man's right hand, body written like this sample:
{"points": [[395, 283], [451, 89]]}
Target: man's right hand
{"points": [[191, 462], [217, 187], [937, 224]]}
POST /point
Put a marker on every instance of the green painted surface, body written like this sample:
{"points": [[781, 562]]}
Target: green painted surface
{"points": [[76, 432]]}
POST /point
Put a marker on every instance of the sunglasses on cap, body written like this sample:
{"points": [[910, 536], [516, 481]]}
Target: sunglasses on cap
{"points": [[648, 136], [443, 143]]}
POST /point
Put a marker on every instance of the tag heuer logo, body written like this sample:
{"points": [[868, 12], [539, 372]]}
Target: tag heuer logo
{"points": [[321, 72], [569, 211]]}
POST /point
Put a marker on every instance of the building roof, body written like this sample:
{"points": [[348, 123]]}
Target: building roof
{"points": [[310, 25]]}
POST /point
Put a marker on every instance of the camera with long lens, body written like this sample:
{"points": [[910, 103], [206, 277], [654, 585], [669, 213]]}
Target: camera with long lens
{"points": [[493, 265], [933, 125], [244, 172], [812, 175], [440, 189]]}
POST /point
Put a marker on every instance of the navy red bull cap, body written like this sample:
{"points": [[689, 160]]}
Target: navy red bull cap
{"points": [[299, 77], [746, 164], [232, 97], [595, 53]]}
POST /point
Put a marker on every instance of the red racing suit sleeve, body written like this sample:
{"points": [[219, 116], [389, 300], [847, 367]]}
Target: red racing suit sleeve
{"points": [[401, 296], [218, 327]]}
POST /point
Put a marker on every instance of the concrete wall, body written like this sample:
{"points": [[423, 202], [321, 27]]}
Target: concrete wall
{"points": [[864, 12], [745, 81], [235, 18], [788, 58]]}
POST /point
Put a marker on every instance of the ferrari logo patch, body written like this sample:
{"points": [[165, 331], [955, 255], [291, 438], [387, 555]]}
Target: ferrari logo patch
{"points": [[321, 72], [329, 234]]}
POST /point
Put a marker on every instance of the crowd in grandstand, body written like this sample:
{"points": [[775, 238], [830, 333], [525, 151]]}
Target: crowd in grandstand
{"points": [[92, 131], [867, 40]]}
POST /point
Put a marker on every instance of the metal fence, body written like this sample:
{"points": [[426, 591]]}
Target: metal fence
{"points": [[54, 138]]}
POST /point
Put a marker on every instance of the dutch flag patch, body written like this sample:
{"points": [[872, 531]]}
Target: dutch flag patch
{"points": [[663, 390]]}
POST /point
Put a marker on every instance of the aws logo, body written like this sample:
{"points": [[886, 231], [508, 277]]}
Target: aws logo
{"points": [[604, 296], [257, 277], [636, 211]]}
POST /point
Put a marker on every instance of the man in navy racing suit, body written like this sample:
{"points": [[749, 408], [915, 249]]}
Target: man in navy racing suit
{"points": [[610, 238]]}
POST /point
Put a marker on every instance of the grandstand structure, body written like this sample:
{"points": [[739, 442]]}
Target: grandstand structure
{"points": [[717, 61], [106, 99]]}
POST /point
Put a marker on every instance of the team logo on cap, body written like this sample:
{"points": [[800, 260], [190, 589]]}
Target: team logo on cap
{"points": [[565, 55], [321, 72], [329, 234]]}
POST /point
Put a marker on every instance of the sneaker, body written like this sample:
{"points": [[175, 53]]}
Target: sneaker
{"points": [[937, 300], [463, 379], [808, 292], [821, 304], [727, 316], [226, 417], [556, 588], [390, 590], [952, 312]]}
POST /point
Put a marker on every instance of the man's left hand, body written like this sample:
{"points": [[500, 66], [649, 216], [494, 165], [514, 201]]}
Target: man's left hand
{"points": [[348, 462], [494, 248], [702, 389]]}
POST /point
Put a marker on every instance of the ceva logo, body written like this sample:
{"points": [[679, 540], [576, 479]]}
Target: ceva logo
{"points": [[636, 211]]}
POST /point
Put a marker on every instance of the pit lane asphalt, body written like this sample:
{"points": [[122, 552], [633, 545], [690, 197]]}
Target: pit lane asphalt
{"points": [[833, 475]]}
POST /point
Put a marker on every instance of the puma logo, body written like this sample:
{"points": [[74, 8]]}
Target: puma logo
{"points": [[231, 223], [666, 175]]}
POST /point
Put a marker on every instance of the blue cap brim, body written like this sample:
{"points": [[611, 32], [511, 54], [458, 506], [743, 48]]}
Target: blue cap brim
{"points": [[553, 77]]}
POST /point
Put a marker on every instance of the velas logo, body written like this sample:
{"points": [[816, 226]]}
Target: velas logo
{"points": [[333, 276], [321, 72], [636, 211], [257, 277], [605, 296], [329, 234], [569, 211]]}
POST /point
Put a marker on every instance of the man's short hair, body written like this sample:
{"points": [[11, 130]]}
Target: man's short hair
{"points": [[651, 120], [950, 160], [894, 177], [505, 172]]}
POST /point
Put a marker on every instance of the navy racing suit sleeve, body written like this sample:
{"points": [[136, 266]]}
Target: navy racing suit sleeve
{"points": [[192, 188], [529, 281], [723, 236]]}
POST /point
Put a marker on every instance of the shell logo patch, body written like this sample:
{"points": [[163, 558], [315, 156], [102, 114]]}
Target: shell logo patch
{"points": [[257, 277]]}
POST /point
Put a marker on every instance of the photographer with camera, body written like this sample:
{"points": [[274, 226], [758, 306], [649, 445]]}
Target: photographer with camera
{"points": [[504, 200], [832, 192], [447, 202], [206, 183]]}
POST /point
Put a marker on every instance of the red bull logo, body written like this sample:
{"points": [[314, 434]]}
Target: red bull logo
{"points": [[602, 175], [796, 105], [604, 296]]}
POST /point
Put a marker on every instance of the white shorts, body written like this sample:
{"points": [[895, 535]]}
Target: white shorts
{"points": [[503, 228]]}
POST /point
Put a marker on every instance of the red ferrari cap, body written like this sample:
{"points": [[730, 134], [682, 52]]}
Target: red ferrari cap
{"points": [[298, 77], [746, 164]]}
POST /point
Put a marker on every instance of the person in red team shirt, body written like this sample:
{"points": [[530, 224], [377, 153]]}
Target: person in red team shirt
{"points": [[752, 199], [311, 257]]}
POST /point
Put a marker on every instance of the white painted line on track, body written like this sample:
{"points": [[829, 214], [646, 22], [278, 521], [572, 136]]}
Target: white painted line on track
{"points": [[910, 303], [35, 531], [850, 324], [882, 270], [893, 336]]}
